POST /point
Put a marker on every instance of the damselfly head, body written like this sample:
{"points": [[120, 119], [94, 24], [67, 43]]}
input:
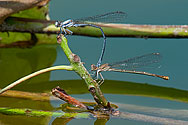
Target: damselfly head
{"points": [[57, 23]]}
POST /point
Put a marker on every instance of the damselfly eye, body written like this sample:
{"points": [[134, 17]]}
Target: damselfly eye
{"points": [[57, 23]]}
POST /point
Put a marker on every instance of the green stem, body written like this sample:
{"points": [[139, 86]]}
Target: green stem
{"points": [[133, 30], [83, 73], [70, 68], [15, 24], [31, 112]]}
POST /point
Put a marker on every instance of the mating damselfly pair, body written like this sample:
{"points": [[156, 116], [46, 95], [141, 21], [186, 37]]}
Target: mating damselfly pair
{"points": [[128, 66]]}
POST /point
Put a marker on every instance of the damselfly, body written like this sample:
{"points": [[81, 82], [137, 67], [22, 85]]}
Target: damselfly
{"points": [[130, 66], [112, 17]]}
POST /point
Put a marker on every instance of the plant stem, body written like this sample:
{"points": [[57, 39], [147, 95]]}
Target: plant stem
{"points": [[61, 94], [15, 24], [70, 68], [83, 73], [31, 112]]}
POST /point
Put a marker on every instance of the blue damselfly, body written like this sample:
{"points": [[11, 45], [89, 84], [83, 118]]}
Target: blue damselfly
{"points": [[112, 17]]}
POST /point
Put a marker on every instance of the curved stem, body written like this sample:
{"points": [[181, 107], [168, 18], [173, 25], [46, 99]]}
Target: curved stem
{"points": [[70, 68]]}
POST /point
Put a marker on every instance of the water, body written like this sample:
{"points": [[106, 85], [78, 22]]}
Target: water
{"points": [[123, 48], [15, 63]]}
